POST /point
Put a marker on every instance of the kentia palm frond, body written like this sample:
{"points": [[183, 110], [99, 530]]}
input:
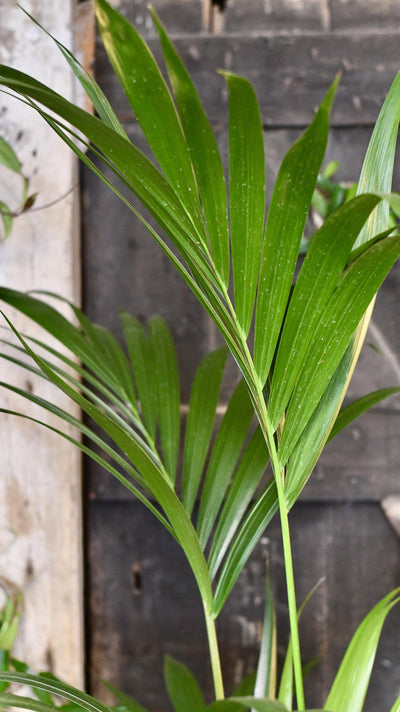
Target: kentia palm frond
{"points": [[304, 340]]}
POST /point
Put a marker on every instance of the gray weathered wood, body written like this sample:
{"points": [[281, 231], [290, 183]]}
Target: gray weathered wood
{"points": [[361, 463], [290, 73], [277, 15], [144, 603], [253, 16], [40, 490], [177, 15], [369, 15]]}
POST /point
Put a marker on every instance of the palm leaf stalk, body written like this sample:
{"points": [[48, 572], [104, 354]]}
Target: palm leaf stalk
{"points": [[295, 368]]}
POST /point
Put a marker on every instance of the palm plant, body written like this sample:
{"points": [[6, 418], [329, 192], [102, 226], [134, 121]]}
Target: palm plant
{"points": [[295, 342]]}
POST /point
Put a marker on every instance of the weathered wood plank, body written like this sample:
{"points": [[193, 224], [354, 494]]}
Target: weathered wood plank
{"points": [[144, 604], [254, 16], [364, 14], [40, 491], [139, 609], [276, 15], [361, 463], [178, 15], [306, 15], [353, 547], [290, 74], [182, 17]]}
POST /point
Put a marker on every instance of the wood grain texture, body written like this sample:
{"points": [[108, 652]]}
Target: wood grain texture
{"points": [[144, 603], [277, 15], [368, 15], [40, 490], [290, 73], [179, 16], [254, 16]]}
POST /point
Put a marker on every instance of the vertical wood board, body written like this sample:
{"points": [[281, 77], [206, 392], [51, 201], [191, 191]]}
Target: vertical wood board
{"points": [[40, 490]]}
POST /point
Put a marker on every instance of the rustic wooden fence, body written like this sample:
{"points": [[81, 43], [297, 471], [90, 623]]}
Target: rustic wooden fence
{"points": [[140, 600]]}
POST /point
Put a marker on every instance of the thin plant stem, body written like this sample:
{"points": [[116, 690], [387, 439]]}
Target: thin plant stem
{"points": [[214, 655], [265, 425], [257, 396]]}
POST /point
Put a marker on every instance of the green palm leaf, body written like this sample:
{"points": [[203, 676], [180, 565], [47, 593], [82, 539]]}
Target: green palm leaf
{"points": [[141, 176], [95, 94], [246, 193], [396, 706], [166, 383], [204, 153], [181, 201], [350, 685], [104, 463], [48, 684], [27, 703], [317, 281], [228, 445], [183, 689], [286, 219], [331, 337], [360, 406], [251, 530], [376, 176], [153, 106], [244, 483], [200, 421], [107, 353], [155, 477], [141, 358]]}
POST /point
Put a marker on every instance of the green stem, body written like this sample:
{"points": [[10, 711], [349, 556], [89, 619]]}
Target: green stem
{"points": [[257, 396], [214, 655], [265, 424]]}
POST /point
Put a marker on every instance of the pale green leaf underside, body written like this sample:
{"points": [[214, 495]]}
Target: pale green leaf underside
{"points": [[350, 685]]}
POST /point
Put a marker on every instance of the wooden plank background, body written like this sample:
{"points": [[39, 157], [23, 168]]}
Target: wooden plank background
{"points": [[291, 50], [141, 599], [40, 483]]}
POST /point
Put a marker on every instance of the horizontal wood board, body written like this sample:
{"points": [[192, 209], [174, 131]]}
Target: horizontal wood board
{"points": [[144, 603], [290, 73], [251, 16]]}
